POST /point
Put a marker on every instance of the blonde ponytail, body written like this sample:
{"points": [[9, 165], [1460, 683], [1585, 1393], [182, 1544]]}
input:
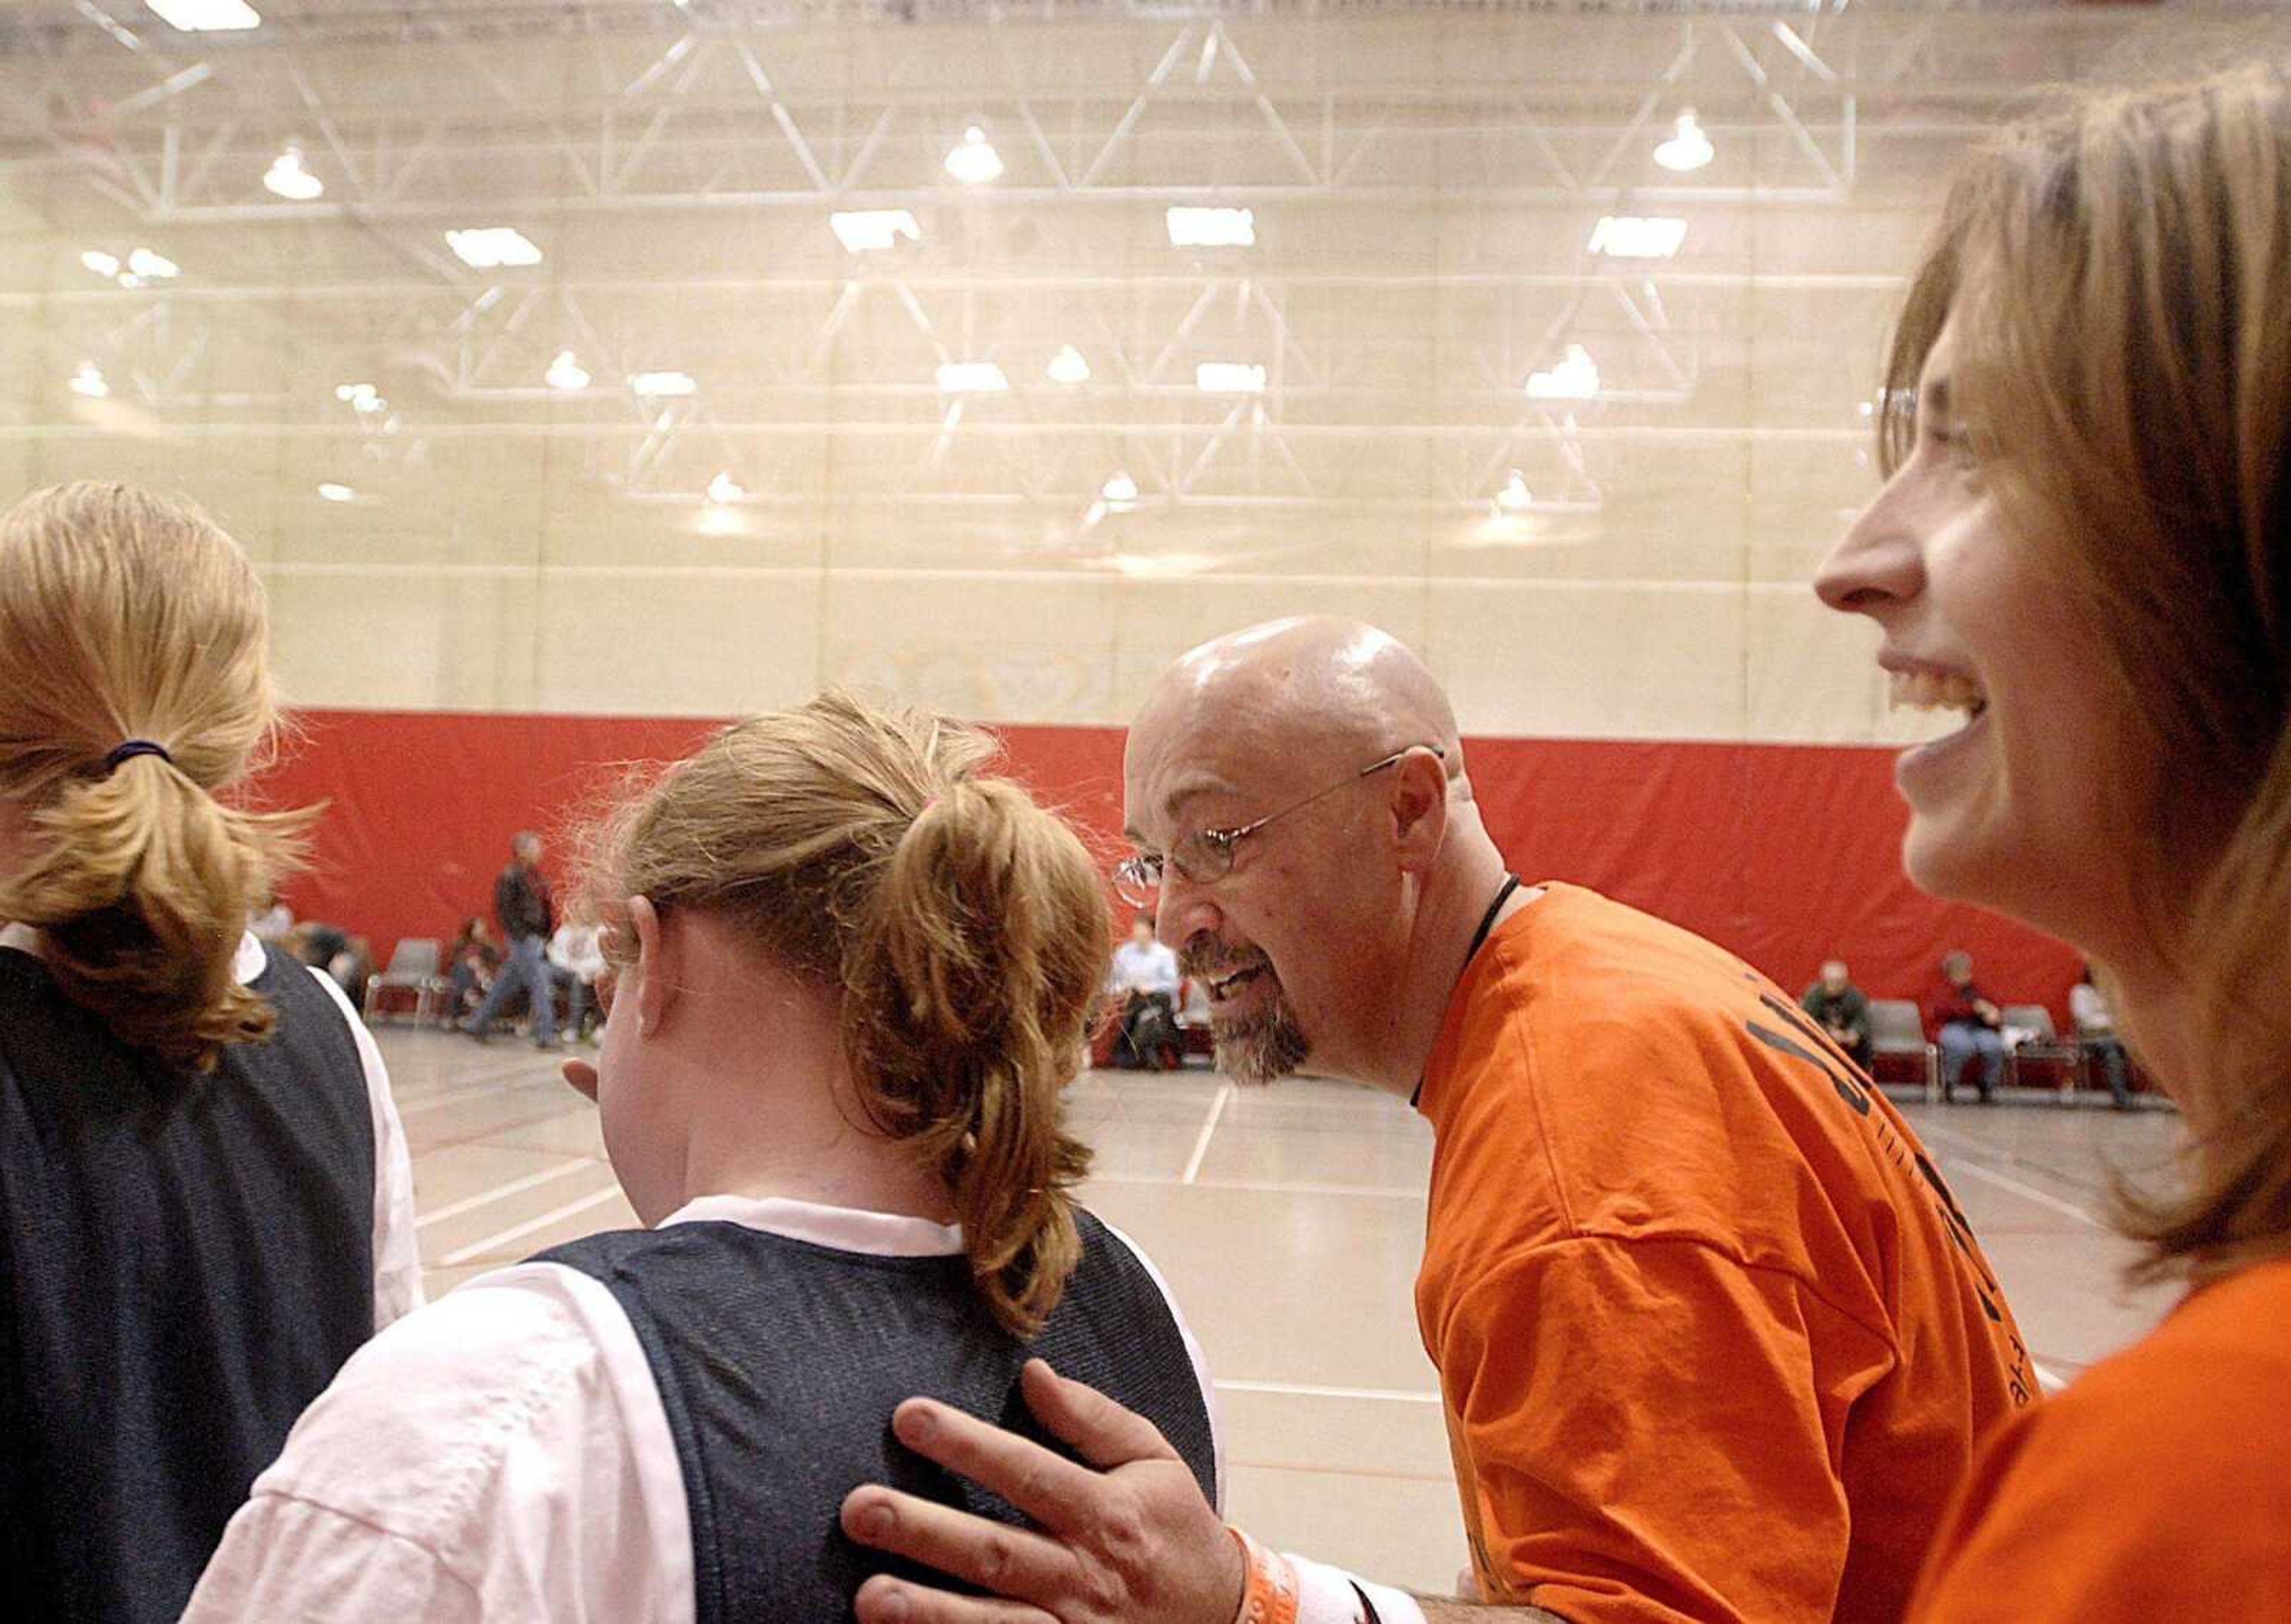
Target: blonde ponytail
{"points": [[963, 927], [125, 616], [971, 980]]}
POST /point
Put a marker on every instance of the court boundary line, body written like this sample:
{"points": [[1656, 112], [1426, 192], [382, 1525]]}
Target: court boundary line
{"points": [[517, 1231], [1208, 1131], [1960, 1164], [515, 1187]]}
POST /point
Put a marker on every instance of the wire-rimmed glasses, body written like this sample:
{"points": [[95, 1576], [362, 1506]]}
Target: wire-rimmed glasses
{"points": [[1206, 857]]}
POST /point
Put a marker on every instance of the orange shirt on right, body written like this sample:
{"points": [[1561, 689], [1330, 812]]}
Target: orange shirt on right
{"points": [[1715, 1342], [2157, 1487]]}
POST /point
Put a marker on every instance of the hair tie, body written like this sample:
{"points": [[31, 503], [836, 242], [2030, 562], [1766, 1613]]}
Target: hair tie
{"points": [[133, 748]]}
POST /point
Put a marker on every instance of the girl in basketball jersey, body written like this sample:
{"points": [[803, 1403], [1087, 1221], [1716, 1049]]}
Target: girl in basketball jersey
{"points": [[2084, 545], [854, 976], [205, 1200]]}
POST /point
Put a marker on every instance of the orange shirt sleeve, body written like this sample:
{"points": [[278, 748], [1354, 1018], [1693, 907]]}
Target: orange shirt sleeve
{"points": [[1649, 1432], [2159, 1487]]}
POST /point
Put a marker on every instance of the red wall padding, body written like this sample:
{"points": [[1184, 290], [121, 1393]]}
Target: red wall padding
{"points": [[1784, 853]]}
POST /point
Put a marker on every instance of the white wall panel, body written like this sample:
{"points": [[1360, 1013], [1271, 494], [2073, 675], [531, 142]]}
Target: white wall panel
{"points": [[1424, 181]]}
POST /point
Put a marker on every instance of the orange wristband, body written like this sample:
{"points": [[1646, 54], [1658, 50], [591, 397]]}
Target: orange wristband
{"points": [[1271, 1595]]}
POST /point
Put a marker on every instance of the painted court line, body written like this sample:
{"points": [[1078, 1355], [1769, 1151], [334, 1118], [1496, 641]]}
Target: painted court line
{"points": [[477, 1086], [1290, 1389], [1958, 1164], [477, 1249], [486, 1198], [1209, 1130], [1995, 1156]]}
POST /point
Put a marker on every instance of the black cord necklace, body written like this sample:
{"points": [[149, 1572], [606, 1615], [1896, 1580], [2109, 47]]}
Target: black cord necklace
{"points": [[1488, 919], [1479, 940]]}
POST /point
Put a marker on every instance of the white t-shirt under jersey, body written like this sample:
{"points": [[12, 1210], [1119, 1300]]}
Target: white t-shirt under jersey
{"points": [[503, 1455], [397, 1260]]}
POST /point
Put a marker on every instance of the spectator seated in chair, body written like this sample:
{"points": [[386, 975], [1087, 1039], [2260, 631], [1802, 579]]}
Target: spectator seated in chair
{"points": [[1966, 1022], [470, 964], [576, 961], [1843, 1010], [2095, 1031], [1144, 979]]}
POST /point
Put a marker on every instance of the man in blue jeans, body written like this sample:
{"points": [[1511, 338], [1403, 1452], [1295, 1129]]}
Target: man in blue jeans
{"points": [[1966, 1023], [521, 903]]}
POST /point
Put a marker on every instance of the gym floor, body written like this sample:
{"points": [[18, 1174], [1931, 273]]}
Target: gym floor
{"points": [[1289, 1223]]}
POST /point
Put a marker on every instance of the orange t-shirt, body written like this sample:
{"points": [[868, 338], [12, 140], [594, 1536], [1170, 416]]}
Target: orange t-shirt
{"points": [[2158, 1486], [1714, 1341]]}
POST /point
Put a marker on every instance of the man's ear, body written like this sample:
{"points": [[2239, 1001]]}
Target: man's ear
{"points": [[659, 954], [1419, 808]]}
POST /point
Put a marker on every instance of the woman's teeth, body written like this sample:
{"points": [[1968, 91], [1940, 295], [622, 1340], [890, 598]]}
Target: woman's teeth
{"points": [[1925, 690]]}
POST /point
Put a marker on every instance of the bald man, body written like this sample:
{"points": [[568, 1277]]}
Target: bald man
{"points": [[1714, 1341]]}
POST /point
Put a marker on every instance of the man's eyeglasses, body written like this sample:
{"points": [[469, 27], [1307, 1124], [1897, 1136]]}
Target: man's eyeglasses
{"points": [[1207, 857]]}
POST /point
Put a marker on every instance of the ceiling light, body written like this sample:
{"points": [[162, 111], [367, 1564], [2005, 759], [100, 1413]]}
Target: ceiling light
{"points": [[663, 385], [872, 230], [724, 490], [337, 492], [565, 373], [1120, 490], [492, 248], [205, 16], [1637, 236], [1575, 378], [362, 396], [1687, 148], [289, 180], [971, 378], [1515, 497], [1196, 228], [1229, 378], [152, 267], [973, 161], [1069, 367], [102, 263], [87, 380]]}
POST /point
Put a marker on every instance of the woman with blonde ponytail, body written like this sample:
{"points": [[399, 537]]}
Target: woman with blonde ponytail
{"points": [[205, 1204], [855, 974]]}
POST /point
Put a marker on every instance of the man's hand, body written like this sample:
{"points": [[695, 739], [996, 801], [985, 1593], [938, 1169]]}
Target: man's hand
{"points": [[1132, 1540]]}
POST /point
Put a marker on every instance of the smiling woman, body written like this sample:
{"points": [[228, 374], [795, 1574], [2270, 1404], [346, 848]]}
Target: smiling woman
{"points": [[2082, 541]]}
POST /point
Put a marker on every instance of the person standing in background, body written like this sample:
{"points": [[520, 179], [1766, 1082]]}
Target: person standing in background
{"points": [[1843, 1009], [521, 903]]}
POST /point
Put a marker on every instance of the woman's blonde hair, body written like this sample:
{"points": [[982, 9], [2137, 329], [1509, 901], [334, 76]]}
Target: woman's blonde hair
{"points": [[962, 926], [124, 615], [2119, 279]]}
